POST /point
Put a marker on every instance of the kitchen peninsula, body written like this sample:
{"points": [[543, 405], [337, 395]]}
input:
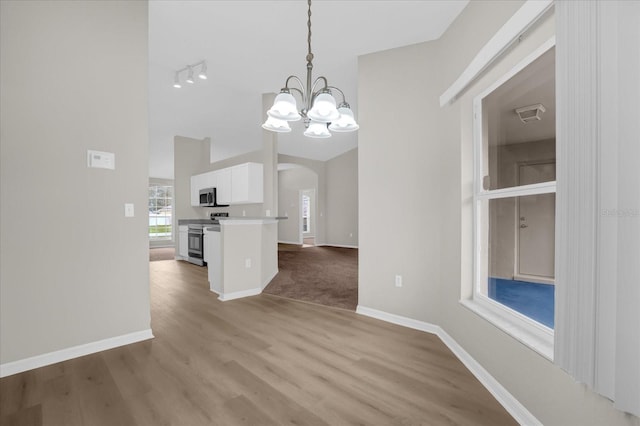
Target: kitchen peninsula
{"points": [[242, 255]]}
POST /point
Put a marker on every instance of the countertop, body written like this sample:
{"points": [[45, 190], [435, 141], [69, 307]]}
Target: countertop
{"points": [[216, 227], [211, 222], [202, 221], [253, 218]]}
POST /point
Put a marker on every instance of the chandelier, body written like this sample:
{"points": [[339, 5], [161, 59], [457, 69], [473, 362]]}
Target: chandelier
{"points": [[318, 104]]}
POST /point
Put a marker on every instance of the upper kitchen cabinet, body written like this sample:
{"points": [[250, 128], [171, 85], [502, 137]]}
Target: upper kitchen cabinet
{"points": [[246, 183], [241, 184], [223, 192]]}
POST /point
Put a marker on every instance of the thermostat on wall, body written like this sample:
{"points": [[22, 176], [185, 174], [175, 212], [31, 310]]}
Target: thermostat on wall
{"points": [[101, 160]]}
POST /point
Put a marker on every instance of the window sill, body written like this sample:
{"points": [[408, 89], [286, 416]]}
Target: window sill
{"points": [[536, 337]]}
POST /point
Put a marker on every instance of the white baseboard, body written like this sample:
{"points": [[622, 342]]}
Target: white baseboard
{"points": [[225, 297], [336, 245], [15, 367], [290, 242], [397, 319], [502, 395], [268, 280]]}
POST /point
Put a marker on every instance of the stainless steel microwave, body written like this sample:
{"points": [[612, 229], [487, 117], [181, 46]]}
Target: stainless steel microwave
{"points": [[208, 198]]}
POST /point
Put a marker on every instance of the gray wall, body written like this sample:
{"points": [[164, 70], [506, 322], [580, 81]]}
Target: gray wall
{"points": [[420, 159], [342, 199], [190, 157], [74, 269]]}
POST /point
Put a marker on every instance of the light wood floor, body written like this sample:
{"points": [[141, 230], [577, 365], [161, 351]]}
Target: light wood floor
{"points": [[263, 360]]}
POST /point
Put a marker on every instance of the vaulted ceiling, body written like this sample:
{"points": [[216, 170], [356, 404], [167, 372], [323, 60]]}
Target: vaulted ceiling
{"points": [[251, 47]]}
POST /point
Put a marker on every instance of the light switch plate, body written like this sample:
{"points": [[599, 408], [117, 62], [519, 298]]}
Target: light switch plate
{"points": [[128, 210]]}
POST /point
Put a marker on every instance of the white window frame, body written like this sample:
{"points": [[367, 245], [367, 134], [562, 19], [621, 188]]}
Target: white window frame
{"points": [[530, 332], [171, 238], [306, 215]]}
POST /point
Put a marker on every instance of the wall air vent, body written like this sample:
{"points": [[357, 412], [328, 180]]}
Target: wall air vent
{"points": [[531, 113]]}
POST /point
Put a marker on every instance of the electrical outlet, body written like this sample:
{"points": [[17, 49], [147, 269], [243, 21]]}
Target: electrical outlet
{"points": [[247, 263], [398, 280]]}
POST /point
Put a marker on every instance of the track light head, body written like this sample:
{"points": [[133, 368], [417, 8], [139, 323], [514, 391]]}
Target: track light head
{"points": [[190, 76], [203, 71], [176, 82]]}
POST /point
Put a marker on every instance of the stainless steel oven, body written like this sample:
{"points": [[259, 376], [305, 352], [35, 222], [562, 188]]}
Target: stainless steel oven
{"points": [[196, 244]]}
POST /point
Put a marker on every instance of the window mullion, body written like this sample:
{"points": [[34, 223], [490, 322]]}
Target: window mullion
{"points": [[518, 191]]}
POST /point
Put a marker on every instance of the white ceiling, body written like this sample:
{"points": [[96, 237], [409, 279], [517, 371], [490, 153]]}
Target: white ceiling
{"points": [[251, 47], [535, 84]]}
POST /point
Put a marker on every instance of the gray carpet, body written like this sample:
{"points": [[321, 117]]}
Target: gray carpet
{"points": [[324, 275]]}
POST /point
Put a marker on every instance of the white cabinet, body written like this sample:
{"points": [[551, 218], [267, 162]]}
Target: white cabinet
{"points": [[223, 181], [213, 257], [241, 184], [183, 241], [246, 183]]}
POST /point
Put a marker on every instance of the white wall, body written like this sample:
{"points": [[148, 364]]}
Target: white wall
{"points": [[342, 200], [74, 269], [419, 159]]}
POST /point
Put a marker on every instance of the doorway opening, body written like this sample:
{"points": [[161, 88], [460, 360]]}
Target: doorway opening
{"points": [[535, 227], [307, 217]]}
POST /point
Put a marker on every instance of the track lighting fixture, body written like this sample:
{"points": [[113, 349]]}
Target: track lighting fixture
{"points": [[318, 104], [189, 69]]}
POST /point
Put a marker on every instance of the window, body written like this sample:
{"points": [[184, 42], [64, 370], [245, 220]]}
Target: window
{"points": [[514, 200], [160, 212], [306, 216]]}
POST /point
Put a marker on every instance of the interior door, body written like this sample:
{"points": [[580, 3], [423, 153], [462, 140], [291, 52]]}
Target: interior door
{"points": [[535, 244]]}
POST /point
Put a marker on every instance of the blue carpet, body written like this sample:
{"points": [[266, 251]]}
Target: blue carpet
{"points": [[531, 299]]}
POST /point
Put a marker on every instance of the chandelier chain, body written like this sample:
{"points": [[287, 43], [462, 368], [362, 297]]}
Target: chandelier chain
{"points": [[309, 54]]}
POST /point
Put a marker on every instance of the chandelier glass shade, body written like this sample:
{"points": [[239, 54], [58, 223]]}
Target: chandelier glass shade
{"points": [[317, 129], [284, 108], [346, 122], [319, 109], [276, 125]]}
